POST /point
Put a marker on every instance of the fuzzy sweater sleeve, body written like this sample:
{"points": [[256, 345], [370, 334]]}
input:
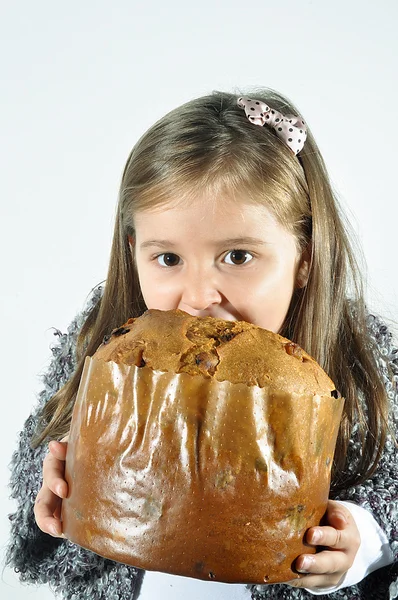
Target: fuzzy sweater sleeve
{"points": [[378, 495], [73, 573]]}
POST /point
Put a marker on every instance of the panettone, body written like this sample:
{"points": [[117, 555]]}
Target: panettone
{"points": [[200, 447]]}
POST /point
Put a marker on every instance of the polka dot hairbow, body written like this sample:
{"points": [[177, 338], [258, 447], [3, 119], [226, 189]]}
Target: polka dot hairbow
{"points": [[290, 129]]}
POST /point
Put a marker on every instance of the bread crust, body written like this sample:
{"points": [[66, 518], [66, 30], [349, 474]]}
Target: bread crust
{"points": [[234, 351]]}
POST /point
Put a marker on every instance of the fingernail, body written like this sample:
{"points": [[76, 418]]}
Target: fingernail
{"points": [[305, 564], [316, 536]]}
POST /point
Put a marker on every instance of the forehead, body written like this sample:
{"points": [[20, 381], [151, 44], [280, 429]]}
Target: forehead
{"points": [[206, 216]]}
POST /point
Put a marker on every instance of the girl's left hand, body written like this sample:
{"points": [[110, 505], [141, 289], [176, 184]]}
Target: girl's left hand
{"points": [[340, 540]]}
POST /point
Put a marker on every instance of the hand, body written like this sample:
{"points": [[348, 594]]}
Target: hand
{"points": [[340, 540], [48, 502]]}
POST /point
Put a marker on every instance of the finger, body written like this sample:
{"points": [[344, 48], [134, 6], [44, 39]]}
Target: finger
{"points": [[327, 536], [326, 562], [46, 505], [58, 449], [54, 475], [337, 515], [317, 582]]}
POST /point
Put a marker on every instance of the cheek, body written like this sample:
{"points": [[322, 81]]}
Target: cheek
{"points": [[149, 291], [144, 280], [267, 298], [275, 283], [154, 291]]}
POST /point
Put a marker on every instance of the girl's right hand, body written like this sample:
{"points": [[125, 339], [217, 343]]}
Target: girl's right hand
{"points": [[47, 507]]}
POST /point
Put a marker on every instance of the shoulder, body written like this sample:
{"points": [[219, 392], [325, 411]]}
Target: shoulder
{"points": [[63, 360], [26, 461], [380, 338], [380, 331], [60, 368], [386, 350], [70, 336]]}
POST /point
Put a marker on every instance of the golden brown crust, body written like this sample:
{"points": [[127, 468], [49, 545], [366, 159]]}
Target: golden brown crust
{"points": [[234, 351], [200, 447]]}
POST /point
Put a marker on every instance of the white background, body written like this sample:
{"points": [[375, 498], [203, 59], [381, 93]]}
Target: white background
{"points": [[82, 80]]}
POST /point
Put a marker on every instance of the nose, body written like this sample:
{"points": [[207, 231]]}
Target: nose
{"points": [[200, 292]]}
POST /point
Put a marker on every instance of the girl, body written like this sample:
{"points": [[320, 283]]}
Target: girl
{"points": [[226, 210]]}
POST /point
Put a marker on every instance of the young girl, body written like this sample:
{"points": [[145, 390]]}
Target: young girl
{"points": [[226, 210]]}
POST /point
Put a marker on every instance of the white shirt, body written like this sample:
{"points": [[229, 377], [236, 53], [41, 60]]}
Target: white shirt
{"points": [[374, 553]]}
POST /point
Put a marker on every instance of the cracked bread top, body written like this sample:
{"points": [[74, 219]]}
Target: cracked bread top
{"points": [[233, 351]]}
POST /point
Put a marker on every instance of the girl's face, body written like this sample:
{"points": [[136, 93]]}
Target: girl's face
{"points": [[226, 260]]}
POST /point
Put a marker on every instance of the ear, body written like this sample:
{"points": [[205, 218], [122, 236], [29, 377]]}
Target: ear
{"points": [[131, 242], [304, 265]]}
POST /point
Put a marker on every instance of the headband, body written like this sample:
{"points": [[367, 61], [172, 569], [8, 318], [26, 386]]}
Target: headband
{"points": [[289, 128]]}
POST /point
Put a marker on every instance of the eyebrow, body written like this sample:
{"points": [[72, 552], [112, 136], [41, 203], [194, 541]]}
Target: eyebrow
{"points": [[237, 241]]}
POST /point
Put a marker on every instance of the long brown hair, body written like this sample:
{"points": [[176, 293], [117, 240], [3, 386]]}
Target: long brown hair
{"points": [[208, 145]]}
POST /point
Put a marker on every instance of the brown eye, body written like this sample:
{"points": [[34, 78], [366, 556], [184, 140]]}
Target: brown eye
{"points": [[238, 257], [168, 259]]}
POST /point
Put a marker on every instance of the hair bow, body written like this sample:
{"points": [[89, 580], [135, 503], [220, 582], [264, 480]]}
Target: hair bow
{"points": [[289, 128]]}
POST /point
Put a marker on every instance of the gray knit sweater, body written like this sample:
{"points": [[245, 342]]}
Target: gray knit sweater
{"points": [[78, 574]]}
